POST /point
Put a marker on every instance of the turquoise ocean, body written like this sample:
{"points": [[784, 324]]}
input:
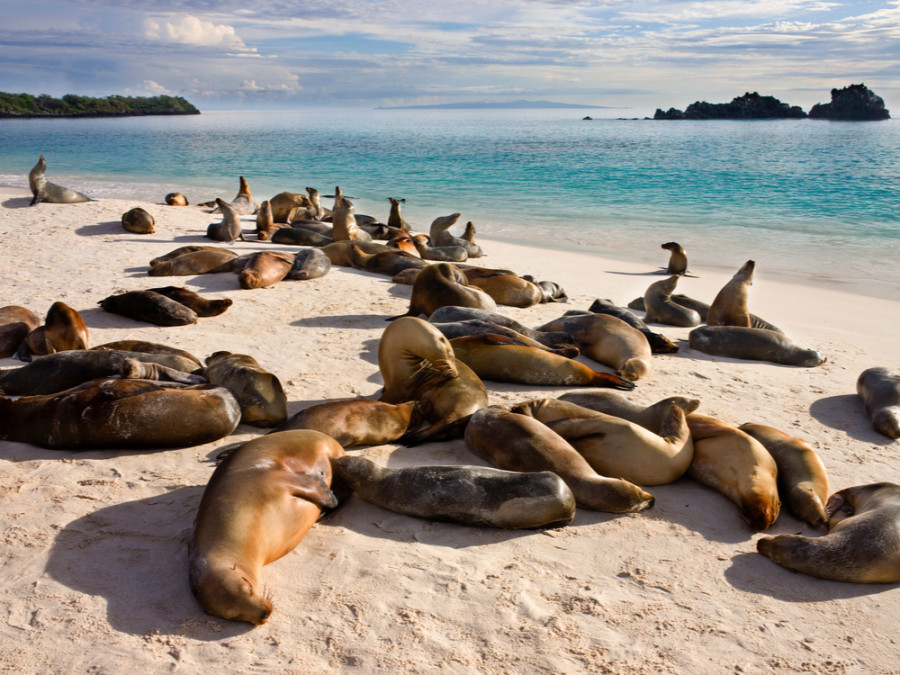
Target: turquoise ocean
{"points": [[806, 199]]}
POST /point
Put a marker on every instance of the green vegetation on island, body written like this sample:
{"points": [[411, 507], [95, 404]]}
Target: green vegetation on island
{"points": [[70, 105]]}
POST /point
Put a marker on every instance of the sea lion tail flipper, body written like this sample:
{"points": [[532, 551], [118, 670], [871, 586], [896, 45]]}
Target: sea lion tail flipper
{"points": [[312, 488], [613, 381], [438, 431]]}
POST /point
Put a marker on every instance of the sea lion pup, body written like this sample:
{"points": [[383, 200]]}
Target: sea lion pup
{"points": [[467, 495], [285, 203], [343, 222], [259, 392], [616, 447], [438, 253], [729, 308], [677, 258], [265, 223], [417, 364], [550, 290], [316, 210], [176, 199], [555, 340], [395, 218], [122, 414], [659, 343], [737, 465], [863, 541], [802, 480], [469, 233], [201, 306], [608, 340], [45, 191], [310, 263], [230, 228], [388, 262], [338, 252], [661, 309], [439, 235], [441, 285], [63, 329], [879, 389], [508, 289], [164, 354], [150, 307], [259, 503], [515, 442], [357, 421], [139, 221], [455, 329], [650, 417], [755, 344], [16, 322], [499, 358], [264, 269]]}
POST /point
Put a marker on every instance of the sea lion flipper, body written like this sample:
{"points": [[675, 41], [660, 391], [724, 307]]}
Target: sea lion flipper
{"points": [[312, 488], [578, 428]]}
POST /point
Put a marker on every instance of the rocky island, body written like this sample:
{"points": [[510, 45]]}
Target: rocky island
{"points": [[70, 105], [853, 103]]}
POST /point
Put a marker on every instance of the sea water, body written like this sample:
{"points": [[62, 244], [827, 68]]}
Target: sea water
{"points": [[804, 198]]}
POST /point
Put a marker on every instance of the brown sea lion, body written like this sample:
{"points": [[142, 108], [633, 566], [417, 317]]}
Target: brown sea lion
{"points": [[650, 417], [63, 329], [339, 252], [139, 221], [616, 447], [184, 250], [123, 414], [203, 307], [515, 442], [508, 289], [285, 203], [468, 495], [207, 260], [316, 210], [242, 204], [703, 310], [755, 344], [442, 284], [802, 480], [265, 223], [151, 307], [550, 290], [358, 421], [176, 199], [230, 228], [729, 308], [661, 309], [457, 329], [343, 221], [264, 269], [863, 541], [395, 218], [677, 258], [299, 236], [879, 389], [16, 322], [183, 360], [469, 233], [440, 236], [555, 339], [737, 465], [45, 191], [389, 262], [438, 253], [403, 242], [310, 263], [659, 343], [258, 391], [258, 505]]}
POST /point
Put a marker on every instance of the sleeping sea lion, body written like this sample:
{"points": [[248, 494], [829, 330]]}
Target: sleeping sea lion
{"points": [[176, 199], [139, 221], [16, 322], [201, 306], [264, 269], [150, 307], [879, 389], [63, 329], [258, 391], [310, 263], [358, 421], [755, 344]]}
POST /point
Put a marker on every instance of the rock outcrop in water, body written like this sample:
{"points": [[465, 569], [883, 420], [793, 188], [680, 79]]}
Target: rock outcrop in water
{"points": [[746, 107], [855, 103]]}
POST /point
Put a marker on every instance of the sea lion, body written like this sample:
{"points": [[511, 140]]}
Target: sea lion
{"points": [[63, 329], [184, 250], [310, 263], [550, 290], [468, 495], [338, 252], [737, 465], [802, 480], [45, 191], [469, 233], [242, 204], [702, 309], [729, 308], [203, 307], [264, 269], [403, 242], [439, 235], [650, 417], [616, 447], [176, 199], [205, 260], [442, 284], [343, 221], [395, 218], [508, 289], [457, 329], [358, 421], [661, 309], [755, 344], [438, 253], [258, 391], [555, 339], [498, 358], [863, 541], [230, 228], [316, 210], [515, 442], [265, 223], [150, 307], [417, 364], [879, 389], [677, 258], [659, 343], [299, 236], [16, 322], [122, 414], [388, 262], [175, 358], [139, 221], [285, 203], [258, 505]]}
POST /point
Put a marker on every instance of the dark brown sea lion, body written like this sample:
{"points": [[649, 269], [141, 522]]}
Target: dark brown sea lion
{"points": [[230, 228], [438, 253], [258, 391], [139, 221], [259, 504], [879, 389], [63, 329], [264, 269], [737, 465], [659, 343], [468, 495], [677, 258], [729, 308], [45, 191], [550, 290], [554, 340], [358, 421], [299, 236], [863, 541], [16, 322], [265, 223], [203, 307], [395, 219], [755, 344], [310, 263], [176, 199], [339, 252], [661, 309], [117, 413], [515, 442], [343, 221], [802, 480], [442, 284], [151, 307]]}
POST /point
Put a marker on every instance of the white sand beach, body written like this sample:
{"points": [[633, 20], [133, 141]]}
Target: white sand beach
{"points": [[94, 546]]}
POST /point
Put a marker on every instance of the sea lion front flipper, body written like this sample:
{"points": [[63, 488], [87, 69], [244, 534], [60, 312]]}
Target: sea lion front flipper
{"points": [[312, 488]]}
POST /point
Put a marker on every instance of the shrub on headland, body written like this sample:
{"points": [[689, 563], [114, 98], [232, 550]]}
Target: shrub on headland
{"points": [[70, 105]]}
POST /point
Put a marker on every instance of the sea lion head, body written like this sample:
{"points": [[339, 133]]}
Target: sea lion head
{"points": [[249, 279], [231, 596]]}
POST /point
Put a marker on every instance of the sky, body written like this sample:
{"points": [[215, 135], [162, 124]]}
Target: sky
{"points": [[635, 55]]}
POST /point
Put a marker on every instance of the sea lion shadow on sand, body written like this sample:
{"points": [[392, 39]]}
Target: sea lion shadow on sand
{"points": [[754, 573], [341, 321], [202, 239], [106, 227], [16, 203], [110, 551], [846, 413]]}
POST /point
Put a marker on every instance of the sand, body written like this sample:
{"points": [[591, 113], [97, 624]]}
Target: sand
{"points": [[94, 556]]}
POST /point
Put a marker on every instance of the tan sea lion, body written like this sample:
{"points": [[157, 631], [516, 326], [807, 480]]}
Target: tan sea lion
{"points": [[230, 228], [176, 199], [442, 284], [403, 242], [554, 339], [395, 218], [659, 344], [264, 269], [184, 250], [468, 495], [258, 391], [139, 221], [63, 329], [616, 447], [879, 389], [204, 307], [863, 541], [285, 203], [677, 258], [440, 236], [389, 262], [661, 309], [457, 329], [737, 465], [755, 344], [650, 417], [343, 221], [122, 414], [16, 322], [258, 505], [438, 253], [148, 306], [469, 233], [204, 261], [358, 421], [703, 310], [310, 263], [515, 442], [729, 308], [339, 252], [265, 223], [181, 359], [45, 191], [316, 210], [802, 480], [508, 289]]}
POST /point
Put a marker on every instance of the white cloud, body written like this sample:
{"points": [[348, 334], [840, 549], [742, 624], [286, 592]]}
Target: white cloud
{"points": [[191, 30]]}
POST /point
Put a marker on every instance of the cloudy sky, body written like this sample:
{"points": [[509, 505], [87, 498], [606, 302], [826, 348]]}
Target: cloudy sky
{"points": [[638, 54]]}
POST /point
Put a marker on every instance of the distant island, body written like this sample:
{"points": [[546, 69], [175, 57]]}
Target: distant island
{"points": [[855, 102], [487, 105], [70, 105]]}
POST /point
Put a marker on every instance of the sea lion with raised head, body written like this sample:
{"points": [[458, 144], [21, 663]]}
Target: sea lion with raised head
{"points": [[661, 309], [438, 253], [176, 199], [264, 269], [16, 322], [754, 344], [284, 204], [230, 228], [395, 218], [258, 391], [440, 236], [45, 191], [468, 495], [879, 389], [343, 221], [677, 258], [702, 309], [63, 329], [309, 263], [265, 223], [150, 307], [316, 210], [659, 343], [650, 417], [258, 505], [515, 442], [358, 421], [139, 221], [242, 204], [729, 308], [441, 284]]}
